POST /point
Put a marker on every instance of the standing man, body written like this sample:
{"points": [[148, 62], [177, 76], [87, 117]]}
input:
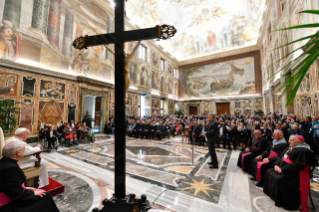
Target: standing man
{"points": [[212, 138]]}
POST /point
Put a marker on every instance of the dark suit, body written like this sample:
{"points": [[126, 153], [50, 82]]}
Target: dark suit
{"points": [[212, 138], [52, 139], [160, 129], [293, 132], [197, 130], [233, 137]]}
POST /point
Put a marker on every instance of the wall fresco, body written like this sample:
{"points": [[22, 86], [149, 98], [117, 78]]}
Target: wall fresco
{"points": [[231, 77]]}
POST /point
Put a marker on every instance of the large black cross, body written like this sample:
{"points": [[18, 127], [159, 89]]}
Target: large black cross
{"points": [[119, 38]]}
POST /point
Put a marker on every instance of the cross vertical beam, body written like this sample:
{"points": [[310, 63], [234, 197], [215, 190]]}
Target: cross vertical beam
{"points": [[120, 144]]}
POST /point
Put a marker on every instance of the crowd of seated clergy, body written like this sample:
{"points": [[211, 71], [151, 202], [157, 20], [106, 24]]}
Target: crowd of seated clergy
{"points": [[15, 195], [282, 168]]}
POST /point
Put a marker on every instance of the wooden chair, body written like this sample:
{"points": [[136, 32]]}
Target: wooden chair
{"points": [[34, 172]]}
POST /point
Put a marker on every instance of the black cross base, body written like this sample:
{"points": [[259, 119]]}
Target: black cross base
{"points": [[129, 204], [119, 37]]}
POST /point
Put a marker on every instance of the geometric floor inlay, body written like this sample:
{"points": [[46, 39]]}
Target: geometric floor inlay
{"points": [[181, 169], [147, 150]]}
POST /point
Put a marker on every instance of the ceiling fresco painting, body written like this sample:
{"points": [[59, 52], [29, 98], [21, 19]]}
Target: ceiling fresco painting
{"points": [[204, 26]]}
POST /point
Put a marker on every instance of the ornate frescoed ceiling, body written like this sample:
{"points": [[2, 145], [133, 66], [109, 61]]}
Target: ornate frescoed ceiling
{"points": [[204, 26]]}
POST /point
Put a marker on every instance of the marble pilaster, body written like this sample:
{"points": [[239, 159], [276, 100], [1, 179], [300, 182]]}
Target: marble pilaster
{"points": [[40, 15], [109, 27], [62, 22], [264, 103], [68, 33], [26, 14], [54, 21], [283, 98], [12, 12], [270, 100]]}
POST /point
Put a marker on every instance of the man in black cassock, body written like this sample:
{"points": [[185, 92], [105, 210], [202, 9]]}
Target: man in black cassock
{"points": [[13, 195], [288, 183], [212, 137], [259, 146], [261, 163]]}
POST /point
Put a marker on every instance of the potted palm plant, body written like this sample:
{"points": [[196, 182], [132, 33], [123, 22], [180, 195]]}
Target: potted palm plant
{"points": [[307, 58], [8, 111]]}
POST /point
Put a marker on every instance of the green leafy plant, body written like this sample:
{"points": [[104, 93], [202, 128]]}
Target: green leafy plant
{"points": [[259, 112], [308, 57], [8, 111], [180, 112]]}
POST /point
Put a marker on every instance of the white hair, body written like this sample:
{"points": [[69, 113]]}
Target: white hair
{"points": [[279, 132], [12, 147]]}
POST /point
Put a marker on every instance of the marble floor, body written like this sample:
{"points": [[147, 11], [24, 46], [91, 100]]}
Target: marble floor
{"points": [[153, 167]]}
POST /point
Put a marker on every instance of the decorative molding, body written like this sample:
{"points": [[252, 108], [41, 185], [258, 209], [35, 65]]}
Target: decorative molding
{"points": [[10, 65], [90, 82], [219, 55], [225, 98]]}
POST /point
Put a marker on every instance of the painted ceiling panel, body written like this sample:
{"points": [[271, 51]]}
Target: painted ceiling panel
{"points": [[204, 27]]}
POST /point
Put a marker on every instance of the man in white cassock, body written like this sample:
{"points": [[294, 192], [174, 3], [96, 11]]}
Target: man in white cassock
{"points": [[22, 134]]}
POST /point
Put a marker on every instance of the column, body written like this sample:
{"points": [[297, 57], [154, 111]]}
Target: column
{"points": [[54, 21], [26, 14], [40, 15], [271, 100], [68, 33], [264, 103], [62, 22], [12, 12], [284, 96], [109, 29]]}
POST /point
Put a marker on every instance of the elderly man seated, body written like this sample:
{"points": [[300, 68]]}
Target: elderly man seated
{"points": [[259, 146], [21, 134], [288, 183], [14, 196], [261, 163]]}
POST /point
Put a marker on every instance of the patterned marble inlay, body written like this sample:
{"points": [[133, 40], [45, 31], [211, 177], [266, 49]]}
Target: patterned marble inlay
{"points": [[96, 149], [144, 150], [77, 196], [152, 174], [181, 169], [92, 157], [212, 173], [182, 155]]}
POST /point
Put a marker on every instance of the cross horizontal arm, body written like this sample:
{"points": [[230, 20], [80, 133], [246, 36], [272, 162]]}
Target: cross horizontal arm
{"points": [[158, 32], [122, 37]]}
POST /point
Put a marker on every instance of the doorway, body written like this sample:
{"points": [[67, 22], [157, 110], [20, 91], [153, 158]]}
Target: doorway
{"points": [[223, 108], [192, 110], [145, 105], [93, 108]]}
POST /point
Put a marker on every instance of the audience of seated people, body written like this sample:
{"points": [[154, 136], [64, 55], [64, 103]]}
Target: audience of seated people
{"points": [[234, 130], [85, 131], [279, 151], [72, 135]]}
